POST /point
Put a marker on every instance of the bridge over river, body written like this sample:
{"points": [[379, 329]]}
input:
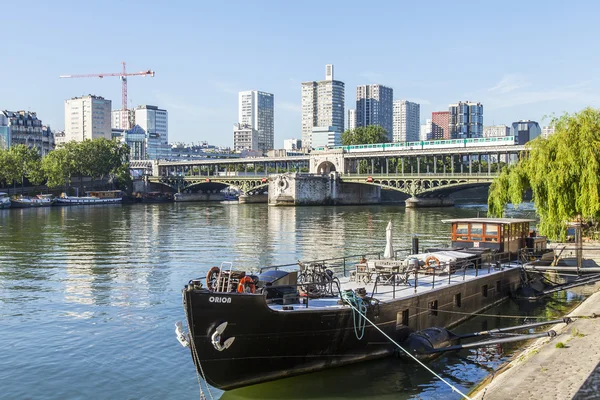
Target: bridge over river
{"points": [[419, 172]]}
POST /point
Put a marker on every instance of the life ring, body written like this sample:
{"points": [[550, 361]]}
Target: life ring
{"points": [[246, 282], [212, 278], [432, 263]]}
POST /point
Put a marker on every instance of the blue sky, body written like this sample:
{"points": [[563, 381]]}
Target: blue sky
{"points": [[522, 59]]}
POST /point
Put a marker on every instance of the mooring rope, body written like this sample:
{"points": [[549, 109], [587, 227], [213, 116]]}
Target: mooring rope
{"points": [[451, 386], [357, 303]]}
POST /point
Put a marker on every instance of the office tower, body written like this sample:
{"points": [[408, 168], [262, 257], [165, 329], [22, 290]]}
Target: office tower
{"points": [[426, 130], [155, 122], [374, 106], [87, 117], [244, 137], [496, 131], [407, 117], [322, 106], [292, 144], [525, 130], [547, 131], [440, 125], [466, 120], [256, 110], [351, 119]]}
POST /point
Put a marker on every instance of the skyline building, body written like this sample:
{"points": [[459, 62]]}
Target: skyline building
{"points": [[87, 117], [351, 119], [440, 128], [24, 127], [245, 137], [117, 116], [525, 130], [466, 120], [375, 106], [292, 144], [155, 122], [547, 131], [496, 131], [322, 106], [256, 109], [325, 136], [407, 118], [426, 130]]}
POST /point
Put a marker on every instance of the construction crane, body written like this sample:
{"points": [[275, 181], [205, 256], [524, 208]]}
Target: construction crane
{"points": [[123, 75]]}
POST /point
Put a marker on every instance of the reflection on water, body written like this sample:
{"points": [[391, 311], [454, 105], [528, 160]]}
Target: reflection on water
{"points": [[100, 287]]}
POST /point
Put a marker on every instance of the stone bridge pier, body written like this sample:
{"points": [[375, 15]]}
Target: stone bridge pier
{"points": [[296, 189]]}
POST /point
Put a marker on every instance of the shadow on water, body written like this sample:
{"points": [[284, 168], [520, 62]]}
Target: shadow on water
{"points": [[396, 378]]}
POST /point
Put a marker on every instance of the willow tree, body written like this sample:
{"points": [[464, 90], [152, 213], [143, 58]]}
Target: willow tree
{"points": [[562, 173]]}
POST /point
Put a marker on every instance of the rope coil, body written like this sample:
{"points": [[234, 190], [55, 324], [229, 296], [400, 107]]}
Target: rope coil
{"points": [[358, 305]]}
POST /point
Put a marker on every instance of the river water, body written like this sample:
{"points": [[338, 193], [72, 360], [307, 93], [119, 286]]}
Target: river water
{"points": [[89, 296]]}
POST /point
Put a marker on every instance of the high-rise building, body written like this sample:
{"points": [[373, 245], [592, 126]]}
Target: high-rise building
{"points": [[155, 122], [547, 131], [525, 130], [374, 106], [351, 119], [117, 116], [426, 130], [292, 144], [466, 120], [245, 137], [325, 136], [496, 131], [407, 117], [440, 125], [87, 117], [256, 109], [24, 127], [322, 106]]}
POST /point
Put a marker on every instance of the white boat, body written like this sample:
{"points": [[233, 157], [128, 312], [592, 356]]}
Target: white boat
{"points": [[4, 200], [92, 198], [29, 202]]}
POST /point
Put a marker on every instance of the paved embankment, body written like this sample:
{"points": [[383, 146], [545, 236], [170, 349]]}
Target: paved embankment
{"points": [[545, 371]]}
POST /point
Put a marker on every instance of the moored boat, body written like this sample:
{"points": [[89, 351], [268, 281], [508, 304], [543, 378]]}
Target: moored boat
{"points": [[92, 198], [4, 200], [246, 329], [157, 197], [29, 202]]}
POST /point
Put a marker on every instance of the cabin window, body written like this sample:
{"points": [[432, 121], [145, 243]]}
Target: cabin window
{"points": [[433, 308], [491, 233], [457, 300], [462, 231], [498, 287], [476, 232], [484, 290]]}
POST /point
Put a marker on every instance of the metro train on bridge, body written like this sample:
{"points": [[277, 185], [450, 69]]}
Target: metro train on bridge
{"points": [[427, 144]]}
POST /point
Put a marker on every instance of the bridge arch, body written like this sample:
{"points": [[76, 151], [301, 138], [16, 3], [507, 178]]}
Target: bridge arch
{"points": [[326, 167]]}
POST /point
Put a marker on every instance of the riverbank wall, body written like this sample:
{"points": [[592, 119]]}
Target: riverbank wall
{"points": [[564, 367]]}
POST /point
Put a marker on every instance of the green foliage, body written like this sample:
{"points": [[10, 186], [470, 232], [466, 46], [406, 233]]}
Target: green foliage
{"points": [[560, 345], [20, 162], [364, 135], [562, 173], [99, 158]]}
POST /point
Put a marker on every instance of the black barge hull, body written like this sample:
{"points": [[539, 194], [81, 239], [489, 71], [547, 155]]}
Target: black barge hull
{"points": [[271, 344]]}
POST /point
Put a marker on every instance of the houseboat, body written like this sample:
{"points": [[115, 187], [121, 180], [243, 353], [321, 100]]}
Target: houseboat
{"points": [[246, 329], [29, 202], [92, 198], [4, 200]]}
